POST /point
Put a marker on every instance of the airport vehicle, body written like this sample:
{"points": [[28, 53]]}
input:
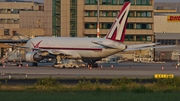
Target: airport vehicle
{"points": [[67, 63], [89, 50]]}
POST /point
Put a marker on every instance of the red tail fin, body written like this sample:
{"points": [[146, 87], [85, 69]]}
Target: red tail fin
{"points": [[118, 29]]}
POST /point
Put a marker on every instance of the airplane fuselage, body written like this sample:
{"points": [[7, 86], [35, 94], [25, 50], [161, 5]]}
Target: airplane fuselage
{"points": [[79, 47]]}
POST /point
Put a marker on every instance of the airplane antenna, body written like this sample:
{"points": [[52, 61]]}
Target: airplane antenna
{"points": [[98, 19]]}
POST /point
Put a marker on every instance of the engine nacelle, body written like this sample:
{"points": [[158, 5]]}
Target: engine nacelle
{"points": [[33, 57]]}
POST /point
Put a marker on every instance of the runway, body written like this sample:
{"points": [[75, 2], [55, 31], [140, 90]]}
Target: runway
{"points": [[124, 69]]}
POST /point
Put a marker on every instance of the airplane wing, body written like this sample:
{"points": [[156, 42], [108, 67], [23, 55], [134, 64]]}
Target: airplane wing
{"points": [[57, 52], [106, 45], [148, 47], [141, 45], [40, 50], [60, 52]]}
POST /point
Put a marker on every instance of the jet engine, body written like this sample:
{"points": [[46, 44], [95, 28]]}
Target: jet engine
{"points": [[33, 57]]}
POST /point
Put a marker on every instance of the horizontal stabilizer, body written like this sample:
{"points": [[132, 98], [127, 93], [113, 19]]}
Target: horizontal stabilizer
{"points": [[150, 47], [142, 45], [106, 45]]}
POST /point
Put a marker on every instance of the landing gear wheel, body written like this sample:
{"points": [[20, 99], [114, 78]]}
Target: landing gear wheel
{"points": [[93, 65], [34, 64], [20, 64], [74, 67]]}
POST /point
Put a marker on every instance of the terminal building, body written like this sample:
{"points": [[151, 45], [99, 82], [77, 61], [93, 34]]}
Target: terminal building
{"points": [[10, 29], [10, 17], [167, 27]]}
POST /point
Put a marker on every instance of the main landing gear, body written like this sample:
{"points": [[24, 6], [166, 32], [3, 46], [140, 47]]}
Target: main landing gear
{"points": [[92, 64], [58, 61]]}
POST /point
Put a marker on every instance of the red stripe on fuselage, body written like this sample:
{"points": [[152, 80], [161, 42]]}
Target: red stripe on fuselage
{"points": [[62, 48]]}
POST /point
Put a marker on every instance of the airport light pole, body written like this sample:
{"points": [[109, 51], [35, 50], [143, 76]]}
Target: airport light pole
{"points": [[98, 19]]}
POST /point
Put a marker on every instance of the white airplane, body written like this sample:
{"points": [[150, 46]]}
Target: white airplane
{"points": [[89, 50]]}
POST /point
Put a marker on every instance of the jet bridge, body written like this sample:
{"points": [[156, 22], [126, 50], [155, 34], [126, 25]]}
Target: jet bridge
{"points": [[175, 57], [7, 51], [8, 54]]}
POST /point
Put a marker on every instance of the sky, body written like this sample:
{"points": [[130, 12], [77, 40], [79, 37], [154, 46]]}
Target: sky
{"points": [[154, 0]]}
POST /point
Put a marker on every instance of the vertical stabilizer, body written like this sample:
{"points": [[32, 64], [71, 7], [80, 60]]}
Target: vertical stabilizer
{"points": [[118, 29]]}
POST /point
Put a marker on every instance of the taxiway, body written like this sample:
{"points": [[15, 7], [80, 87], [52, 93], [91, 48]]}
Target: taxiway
{"points": [[124, 69]]}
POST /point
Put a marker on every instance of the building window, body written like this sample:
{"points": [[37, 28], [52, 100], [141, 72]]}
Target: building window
{"points": [[114, 13], [103, 2], [108, 13], [121, 2], [115, 2], [149, 14], [143, 38], [143, 14], [90, 25], [10, 21], [86, 13], [105, 25], [168, 41], [149, 26], [143, 26], [130, 26], [91, 2], [91, 35], [3, 11], [3, 21], [15, 11], [90, 13], [132, 2], [9, 11], [129, 38], [72, 35], [72, 26], [109, 2], [138, 2], [131, 14], [178, 42], [172, 42], [103, 13], [6, 32], [149, 2], [86, 26], [143, 2], [138, 26], [149, 38], [86, 1]]}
